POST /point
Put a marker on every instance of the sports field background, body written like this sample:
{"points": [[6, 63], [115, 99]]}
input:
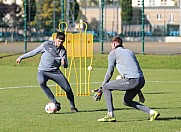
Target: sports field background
{"points": [[23, 102], [136, 47]]}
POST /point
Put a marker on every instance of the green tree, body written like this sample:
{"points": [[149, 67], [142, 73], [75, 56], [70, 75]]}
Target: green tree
{"points": [[31, 13], [11, 17], [74, 11], [31, 10], [127, 11], [47, 14], [3, 12]]}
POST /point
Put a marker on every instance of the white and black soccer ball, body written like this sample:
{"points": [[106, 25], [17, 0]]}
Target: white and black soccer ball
{"points": [[89, 68], [51, 108], [119, 77]]}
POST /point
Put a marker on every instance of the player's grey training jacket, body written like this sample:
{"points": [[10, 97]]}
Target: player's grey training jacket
{"points": [[128, 66], [125, 62], [49, 69], [51, 56]]}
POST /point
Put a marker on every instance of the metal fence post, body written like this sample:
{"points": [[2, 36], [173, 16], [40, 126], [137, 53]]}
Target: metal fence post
{"points": [[143, 25], [101, 33], [63, 13], [25, 27]]}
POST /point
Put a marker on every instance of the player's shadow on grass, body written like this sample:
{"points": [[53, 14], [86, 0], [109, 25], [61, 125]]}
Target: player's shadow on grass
{"points": [[105, 109], [166, 108], [160, 93], [158, 119], [95, 110], [149, 93], [9, 55], [168, 118]]}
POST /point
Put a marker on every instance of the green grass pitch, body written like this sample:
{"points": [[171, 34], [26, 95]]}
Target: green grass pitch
{"points": [[23, 102]]}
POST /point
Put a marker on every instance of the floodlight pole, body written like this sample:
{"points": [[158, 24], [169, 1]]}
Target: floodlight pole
{"points": [[25, 26], [143, 25]]}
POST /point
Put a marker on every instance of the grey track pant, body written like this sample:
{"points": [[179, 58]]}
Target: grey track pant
{"points": [[59, 78], [132, 87]]}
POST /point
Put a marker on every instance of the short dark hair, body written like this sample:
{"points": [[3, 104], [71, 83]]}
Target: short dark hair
{"points": [[117, 39], [60, 35]]}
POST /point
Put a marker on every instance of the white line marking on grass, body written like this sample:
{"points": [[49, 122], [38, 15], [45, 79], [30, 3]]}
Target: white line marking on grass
{"points": [[165, 81], [21, 87], [17, 87]]}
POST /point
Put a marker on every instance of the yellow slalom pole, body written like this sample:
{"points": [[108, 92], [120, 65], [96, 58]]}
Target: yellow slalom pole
{"points": [[58, 92], [65, 26], [88, 82], [85, 55], [80, 64]]}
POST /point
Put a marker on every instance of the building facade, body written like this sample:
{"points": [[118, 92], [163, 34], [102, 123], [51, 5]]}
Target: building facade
{"points": [[153, 3], [158, 19]]}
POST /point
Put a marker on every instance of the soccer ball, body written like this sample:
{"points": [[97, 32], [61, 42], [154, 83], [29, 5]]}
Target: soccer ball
{"points": [[51, 108], [89, 68], [118, 77]]}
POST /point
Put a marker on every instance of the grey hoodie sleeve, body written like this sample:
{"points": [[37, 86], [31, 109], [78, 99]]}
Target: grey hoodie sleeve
{"points": [[110, 69], [65, 65], [32, 53]]}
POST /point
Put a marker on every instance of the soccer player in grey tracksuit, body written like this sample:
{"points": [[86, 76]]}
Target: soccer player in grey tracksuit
{"points": [[53, 56], [133, 80]]}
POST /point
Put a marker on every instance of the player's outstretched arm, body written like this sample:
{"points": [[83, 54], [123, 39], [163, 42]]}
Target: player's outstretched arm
{"points": [[30, 53]]}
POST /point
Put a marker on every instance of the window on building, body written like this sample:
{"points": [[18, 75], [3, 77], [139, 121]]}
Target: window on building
{"points": [[171, 18], [163, 2], [158, 16], [151, 2], [148, 17]]}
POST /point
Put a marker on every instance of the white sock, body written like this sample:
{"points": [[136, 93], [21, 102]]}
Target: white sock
{"points": [[151, 112], [111, 114]]}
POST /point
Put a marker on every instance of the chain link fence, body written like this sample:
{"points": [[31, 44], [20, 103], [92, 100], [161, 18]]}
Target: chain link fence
{"points": [[42, 17]]}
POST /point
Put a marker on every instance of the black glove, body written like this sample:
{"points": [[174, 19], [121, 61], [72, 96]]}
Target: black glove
{"points": [[97, 96]]}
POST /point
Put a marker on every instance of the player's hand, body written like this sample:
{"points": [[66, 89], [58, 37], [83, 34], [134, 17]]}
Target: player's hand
{"points": [[141, 97], [64, 63], [97, 96], [18, 61]]}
